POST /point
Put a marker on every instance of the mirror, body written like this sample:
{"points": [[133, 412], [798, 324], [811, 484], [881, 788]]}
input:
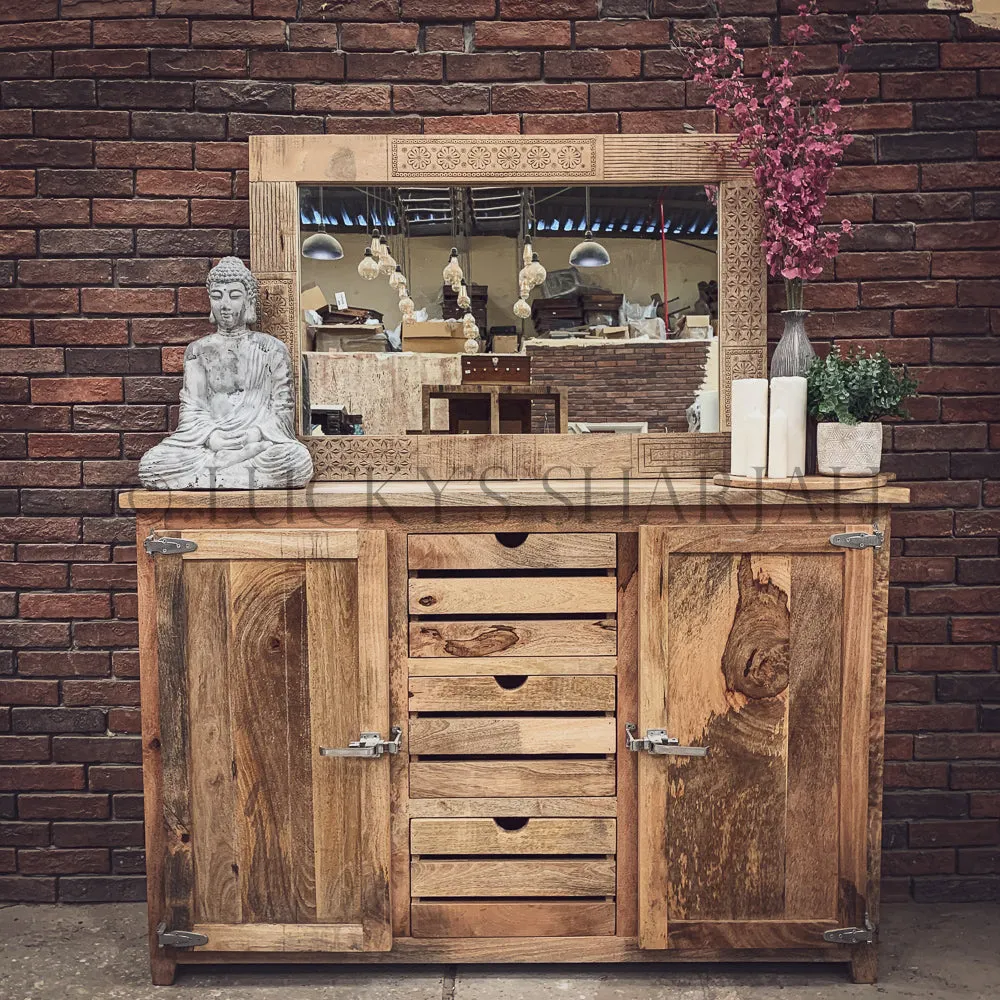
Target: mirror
{"points": [[618, 337]]}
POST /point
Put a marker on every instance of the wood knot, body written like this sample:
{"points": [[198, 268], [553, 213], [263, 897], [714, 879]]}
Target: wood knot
{"points": [[427, 601]]}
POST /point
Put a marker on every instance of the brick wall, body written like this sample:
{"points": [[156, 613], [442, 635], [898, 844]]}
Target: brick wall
{"points": [[620, 383], [123, 173]]}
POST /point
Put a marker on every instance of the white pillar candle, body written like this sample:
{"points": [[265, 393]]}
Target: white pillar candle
{"points": [[789, 395], [777, 444], [709, 400], [748, 446]]}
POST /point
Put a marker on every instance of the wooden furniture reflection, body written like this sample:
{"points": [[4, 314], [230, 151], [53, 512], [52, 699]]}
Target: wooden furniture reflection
{"points": [[495, 408]]}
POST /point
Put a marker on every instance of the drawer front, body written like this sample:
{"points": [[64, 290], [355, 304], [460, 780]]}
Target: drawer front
{"points": [[513, 595], [458, 735], [465, 878], [556, 550], [512, 835], [490, 918], [512, 694], [529, 637], [433, 779]]}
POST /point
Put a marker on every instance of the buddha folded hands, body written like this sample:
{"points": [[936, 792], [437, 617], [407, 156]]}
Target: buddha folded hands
{"points": [[236, 428]]}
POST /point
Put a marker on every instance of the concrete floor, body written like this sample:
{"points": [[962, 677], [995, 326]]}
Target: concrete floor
{"points": [[99, 953]]}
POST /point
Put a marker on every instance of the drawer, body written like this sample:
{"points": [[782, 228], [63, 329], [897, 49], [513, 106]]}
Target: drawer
{"points": [[513, 595], [469, 779], [512, 694], [509, 550], [555, 637], [584, 877], [493, 918], [512, 835], [479, 735]]}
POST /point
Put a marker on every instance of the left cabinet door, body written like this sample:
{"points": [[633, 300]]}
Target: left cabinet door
{"points": [[270, 644]]}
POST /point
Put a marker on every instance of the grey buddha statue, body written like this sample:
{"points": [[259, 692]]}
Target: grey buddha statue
{"points": [[236, 427]]}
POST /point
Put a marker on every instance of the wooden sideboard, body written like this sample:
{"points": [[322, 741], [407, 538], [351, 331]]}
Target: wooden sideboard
{"points": [[613, 721]]}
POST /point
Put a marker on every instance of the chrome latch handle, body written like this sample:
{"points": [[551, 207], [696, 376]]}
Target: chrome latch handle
{"points": [[368, 745], [656, 741]]}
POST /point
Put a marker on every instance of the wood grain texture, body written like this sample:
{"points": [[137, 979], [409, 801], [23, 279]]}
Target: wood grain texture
{"points": [[555, 550], [627, 899], [256, 544], [512, 878], [554, 806], [268, 649], [280, 937], [332, 589], [512, 595], [525, 637], [499, 666], [511, 778], [274, 213], [485, 918], [535, 836], [174, 720], [811, 837], [535, 694], [213, 786], [807, 484], [503, 496], [457, 735], [726, 934]]}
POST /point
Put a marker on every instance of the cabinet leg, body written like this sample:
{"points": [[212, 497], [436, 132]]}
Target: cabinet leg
{"points": [[864, 964], [163, 968]]}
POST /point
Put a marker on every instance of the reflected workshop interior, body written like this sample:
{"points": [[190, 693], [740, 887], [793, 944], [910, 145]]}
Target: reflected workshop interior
{"points": [[538, 310]]}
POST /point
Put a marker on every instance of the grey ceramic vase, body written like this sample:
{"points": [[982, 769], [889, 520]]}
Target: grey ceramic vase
{"points": [[794, 353]]}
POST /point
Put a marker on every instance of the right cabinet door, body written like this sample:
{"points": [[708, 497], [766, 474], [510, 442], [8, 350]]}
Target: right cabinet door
{"points": [[756, 644]]}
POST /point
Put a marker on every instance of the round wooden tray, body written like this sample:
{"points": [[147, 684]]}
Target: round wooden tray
{"points": [[805, 484]]}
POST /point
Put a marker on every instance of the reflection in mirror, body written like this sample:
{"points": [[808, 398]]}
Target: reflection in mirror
{"points": [[511, 310]]}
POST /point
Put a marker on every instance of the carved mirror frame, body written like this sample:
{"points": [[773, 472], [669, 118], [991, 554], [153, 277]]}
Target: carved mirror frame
{"points": [[279, 164]]}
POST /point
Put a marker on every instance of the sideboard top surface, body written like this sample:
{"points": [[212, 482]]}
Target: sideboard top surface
{"points": [[505, 494]]}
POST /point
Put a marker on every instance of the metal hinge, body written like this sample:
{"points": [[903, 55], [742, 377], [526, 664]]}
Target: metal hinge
{"points": [[179, 939], [167, 546], [859, 539], [369, 745], [657, 741], [852, 935]]}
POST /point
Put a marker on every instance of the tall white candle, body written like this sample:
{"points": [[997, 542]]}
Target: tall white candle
{"points": [[777, 444], [748, 446], [709, 399], [788, 394]]}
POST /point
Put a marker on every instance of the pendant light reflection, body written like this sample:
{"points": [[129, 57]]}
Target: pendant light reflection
{"points": [[589, 253], [321, 245]]}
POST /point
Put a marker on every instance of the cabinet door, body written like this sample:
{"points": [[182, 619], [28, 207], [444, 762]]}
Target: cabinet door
{"points": [[270, 645], [754, 643]]}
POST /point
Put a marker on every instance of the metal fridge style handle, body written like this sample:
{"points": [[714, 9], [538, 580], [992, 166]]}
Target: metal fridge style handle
{"points": [[368, 745], [656, 741]]}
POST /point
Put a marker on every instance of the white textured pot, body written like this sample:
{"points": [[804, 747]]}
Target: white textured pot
{"points": [[848, 450]]}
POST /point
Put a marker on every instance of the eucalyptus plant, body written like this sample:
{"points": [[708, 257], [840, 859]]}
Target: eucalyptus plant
{"points": [[858, 388]]}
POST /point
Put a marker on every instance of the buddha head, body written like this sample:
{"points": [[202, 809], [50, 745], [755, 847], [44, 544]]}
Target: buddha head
{"points": [[232, 294]]}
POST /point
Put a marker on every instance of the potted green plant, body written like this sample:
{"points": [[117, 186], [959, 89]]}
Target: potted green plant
{"points": [[848, 396]]}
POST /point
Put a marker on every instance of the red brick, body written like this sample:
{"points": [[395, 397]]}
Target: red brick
{"points": [[929, 718], [982, 804], [184, 183], [927, 85], [17, 243], [297, 65], [22, 692], [444, 38], [175, 155], [63, 664], [667, 121], [622, 96], [539, 97], [237, 34], [493, 66], [472, 124], [198, 63], [28, 890], [127, 301], [583, 123], [523, 35], [336, 98], [890, 177], [970, 55], [30, 360], [63, 862], [456, 98], [101, 692], [73, 445], [46, 34], [101, 63], [141, 31], [62, 806], [45, 211], [957, 235], [76, 390], [527, 9], [80, 331], [939, 862], [640, 34], [17, 183], [79, 605], [960, 175], [899, 264], [59, 272], [446, 10], [114, 779], [40, 777], [140, 212], [379, 37], [593, 65], [383, 67]]}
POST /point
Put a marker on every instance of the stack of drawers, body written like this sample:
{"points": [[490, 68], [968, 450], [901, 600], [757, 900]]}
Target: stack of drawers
{"points": [[513, 645]]}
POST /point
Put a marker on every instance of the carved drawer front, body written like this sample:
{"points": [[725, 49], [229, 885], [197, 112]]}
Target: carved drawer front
{"points": [[512, 835], [511, 778], [512, 551], [474, 878], [512, 693], [497, 918]]}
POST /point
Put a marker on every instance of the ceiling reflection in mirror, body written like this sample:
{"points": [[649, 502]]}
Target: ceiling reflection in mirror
{"points": [[474, 310]]}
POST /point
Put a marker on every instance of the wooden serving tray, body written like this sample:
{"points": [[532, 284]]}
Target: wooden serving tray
{"points": [[805, 484]]}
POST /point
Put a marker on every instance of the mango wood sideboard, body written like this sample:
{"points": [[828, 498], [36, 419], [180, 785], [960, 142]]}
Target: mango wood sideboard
{"points": [[615, 721]]}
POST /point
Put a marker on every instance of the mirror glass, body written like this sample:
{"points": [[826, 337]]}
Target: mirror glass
{"points": [[433, 310]]}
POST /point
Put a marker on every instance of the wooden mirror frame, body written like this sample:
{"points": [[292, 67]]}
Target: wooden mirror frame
{"points": [[279, 164]]}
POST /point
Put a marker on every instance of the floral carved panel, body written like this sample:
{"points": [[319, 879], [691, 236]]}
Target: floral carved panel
{"points": [[478, 157]]}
